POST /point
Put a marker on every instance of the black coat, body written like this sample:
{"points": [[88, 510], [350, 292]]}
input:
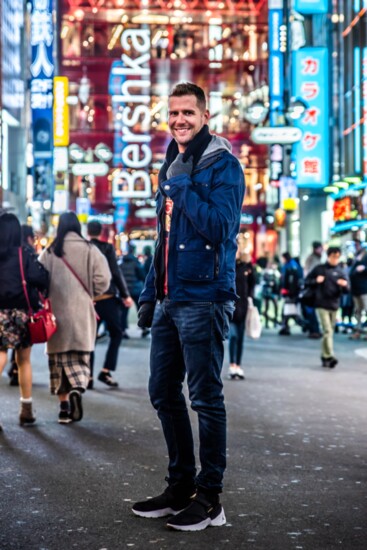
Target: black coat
{"points": [[134, 274], [118, 284], [11, 289], [358, 279], [328, 293], [245, 285]]}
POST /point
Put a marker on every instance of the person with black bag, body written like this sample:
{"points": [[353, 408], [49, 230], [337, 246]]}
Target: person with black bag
{"points": [[328, 282], [14, 316], [109, 307]]}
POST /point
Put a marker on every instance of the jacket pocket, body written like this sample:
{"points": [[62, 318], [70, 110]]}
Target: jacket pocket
{"points": [[195, 265]]}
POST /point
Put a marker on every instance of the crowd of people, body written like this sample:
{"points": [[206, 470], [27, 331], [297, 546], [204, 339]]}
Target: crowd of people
{"points": [[73, 272], [321, 297], [187, 303]]}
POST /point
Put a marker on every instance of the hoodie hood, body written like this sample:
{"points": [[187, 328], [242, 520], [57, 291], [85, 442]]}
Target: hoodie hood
{"points": [[216, 145]]}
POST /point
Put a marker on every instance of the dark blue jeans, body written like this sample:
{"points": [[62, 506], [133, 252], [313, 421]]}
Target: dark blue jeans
{"points": [[110, 311], [236, 334], [187, 339]]}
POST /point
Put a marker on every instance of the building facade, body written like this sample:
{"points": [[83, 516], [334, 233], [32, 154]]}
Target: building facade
{"points": [[121, 59]]}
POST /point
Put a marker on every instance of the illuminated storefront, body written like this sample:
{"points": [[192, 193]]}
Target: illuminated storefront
{"points": [[348, 190], [121, 59], [13, 192]]}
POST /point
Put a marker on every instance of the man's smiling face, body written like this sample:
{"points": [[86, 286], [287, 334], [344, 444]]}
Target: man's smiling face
{"points": [[185, 119]]}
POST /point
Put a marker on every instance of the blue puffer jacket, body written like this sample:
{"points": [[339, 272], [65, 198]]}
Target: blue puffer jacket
{"points": [[202, 239]]}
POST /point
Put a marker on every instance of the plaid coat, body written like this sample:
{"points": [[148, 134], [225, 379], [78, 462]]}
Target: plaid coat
{"points": [[72, 306]]}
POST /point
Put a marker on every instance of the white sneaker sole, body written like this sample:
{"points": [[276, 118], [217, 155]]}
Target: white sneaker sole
{"points": [[216, 522], [65, 420], [157, 513]]}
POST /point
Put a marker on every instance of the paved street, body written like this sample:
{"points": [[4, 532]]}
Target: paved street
{"points": [[297, 457]]}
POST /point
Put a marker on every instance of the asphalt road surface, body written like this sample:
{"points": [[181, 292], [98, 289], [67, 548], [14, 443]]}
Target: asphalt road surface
{"points": [[297, 455]]}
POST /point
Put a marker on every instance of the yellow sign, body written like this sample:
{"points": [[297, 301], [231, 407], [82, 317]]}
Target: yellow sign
{"points": [[61, 111], [289, 204]]}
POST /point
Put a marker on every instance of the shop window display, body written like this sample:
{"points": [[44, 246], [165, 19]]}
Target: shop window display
{"points": [[224, 52]]}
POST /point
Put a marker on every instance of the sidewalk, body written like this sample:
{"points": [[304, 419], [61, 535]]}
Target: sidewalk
{"points": [[296, 476]]}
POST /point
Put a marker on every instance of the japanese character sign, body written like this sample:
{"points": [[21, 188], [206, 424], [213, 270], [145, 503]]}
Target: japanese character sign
{"points": [[41, 87], [310, 83]]}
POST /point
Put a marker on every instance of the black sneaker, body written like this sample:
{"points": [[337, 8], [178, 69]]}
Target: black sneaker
{"points": [[64, 417], [76, 407], [168, 503], [332, 362], [201, 513], [107, 379], [325, 361]]}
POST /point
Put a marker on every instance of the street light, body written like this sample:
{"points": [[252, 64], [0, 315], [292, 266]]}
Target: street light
{"points": [[256, 113], [296, 108]]}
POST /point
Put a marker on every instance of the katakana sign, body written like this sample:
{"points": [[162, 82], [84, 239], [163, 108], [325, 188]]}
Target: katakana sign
{"points": [[364, 111], [42, 73], [310, 83]]}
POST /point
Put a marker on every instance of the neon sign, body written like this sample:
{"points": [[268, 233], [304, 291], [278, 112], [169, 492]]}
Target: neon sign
{"points": [[130, 87], [42, 71]]}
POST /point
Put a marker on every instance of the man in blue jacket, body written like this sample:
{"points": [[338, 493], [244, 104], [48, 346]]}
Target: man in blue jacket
{"points": [[188, 300]]}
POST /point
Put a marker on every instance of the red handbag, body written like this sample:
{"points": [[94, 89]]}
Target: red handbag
{"points": [[42, 324]]}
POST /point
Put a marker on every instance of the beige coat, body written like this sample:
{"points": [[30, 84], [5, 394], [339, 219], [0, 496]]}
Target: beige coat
{"points": [[72, 306]]}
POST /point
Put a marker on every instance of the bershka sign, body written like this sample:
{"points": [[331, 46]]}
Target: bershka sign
{"points": [[130, 87]]}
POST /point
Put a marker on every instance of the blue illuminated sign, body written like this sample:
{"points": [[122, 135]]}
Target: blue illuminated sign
{"points": [[310, 83], [357, 110], [276, 66], [364, 111], [311, 6], [42, 73], [11, 53]]}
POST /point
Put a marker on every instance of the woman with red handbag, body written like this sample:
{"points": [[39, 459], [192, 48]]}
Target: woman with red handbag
{"points": [[14, 310], [78, 272]]}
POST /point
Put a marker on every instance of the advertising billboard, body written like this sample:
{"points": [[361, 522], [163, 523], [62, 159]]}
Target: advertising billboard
{"points": [[42, 72], [310, 83]]}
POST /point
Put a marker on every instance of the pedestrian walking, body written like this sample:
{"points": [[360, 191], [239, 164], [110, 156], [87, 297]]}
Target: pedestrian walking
{"points": [[309, 313], [329, 282], [270, 289], [358, 282], [290, 285], [78, 272], [148, 258], [315, 258], [14, 311], [245, 286], [27, 236], [188, 300], [109, 307], [133, 272]]}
